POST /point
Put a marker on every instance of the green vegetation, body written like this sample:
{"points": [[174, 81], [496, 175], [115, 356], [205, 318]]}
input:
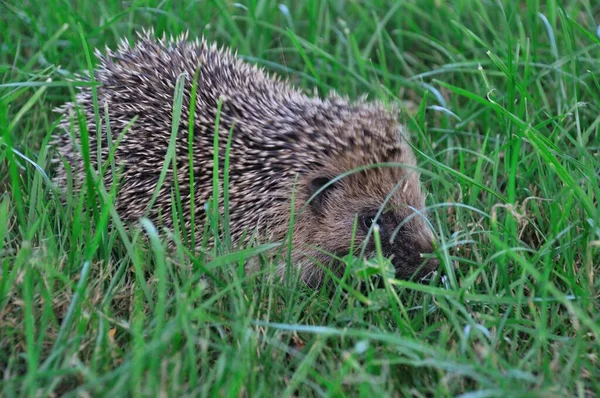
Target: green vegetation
{"points": [[502, 100]]}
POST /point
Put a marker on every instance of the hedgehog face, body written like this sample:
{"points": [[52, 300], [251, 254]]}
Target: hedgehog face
{"points": [[366, 136], [405, 235]]}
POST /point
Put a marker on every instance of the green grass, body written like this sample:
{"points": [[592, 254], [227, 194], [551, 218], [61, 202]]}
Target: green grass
{"points": [[503, 103]]}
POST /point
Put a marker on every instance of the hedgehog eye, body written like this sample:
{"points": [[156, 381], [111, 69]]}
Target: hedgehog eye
{"points": [[386, 222], [366, 222], [316, 187]]}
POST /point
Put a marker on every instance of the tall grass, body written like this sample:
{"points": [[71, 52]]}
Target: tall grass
{"points": [[502, 101]]}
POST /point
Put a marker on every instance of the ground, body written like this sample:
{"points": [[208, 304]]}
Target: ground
{"points": [[502, 101]]}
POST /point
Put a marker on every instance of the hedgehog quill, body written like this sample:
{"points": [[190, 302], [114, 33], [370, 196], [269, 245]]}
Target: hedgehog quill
{"points": [[282, 140]]}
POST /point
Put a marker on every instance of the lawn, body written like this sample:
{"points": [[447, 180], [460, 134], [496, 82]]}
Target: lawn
{"points": [[502, 100]]}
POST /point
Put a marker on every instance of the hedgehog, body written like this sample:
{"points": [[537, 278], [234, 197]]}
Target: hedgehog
{"points": [[341, 167]]}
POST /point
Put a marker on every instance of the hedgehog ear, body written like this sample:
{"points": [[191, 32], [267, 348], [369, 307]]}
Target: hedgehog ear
{"points": [[323, 188]]}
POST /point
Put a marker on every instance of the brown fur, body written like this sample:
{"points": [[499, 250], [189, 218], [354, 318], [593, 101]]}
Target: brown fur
{"points": [[278, 134]]}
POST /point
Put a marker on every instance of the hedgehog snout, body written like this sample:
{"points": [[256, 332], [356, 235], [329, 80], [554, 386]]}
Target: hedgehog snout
{"points": [[414, 256]]}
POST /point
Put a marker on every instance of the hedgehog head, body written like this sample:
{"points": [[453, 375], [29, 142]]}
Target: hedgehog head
{"points": [[367, 177]]}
